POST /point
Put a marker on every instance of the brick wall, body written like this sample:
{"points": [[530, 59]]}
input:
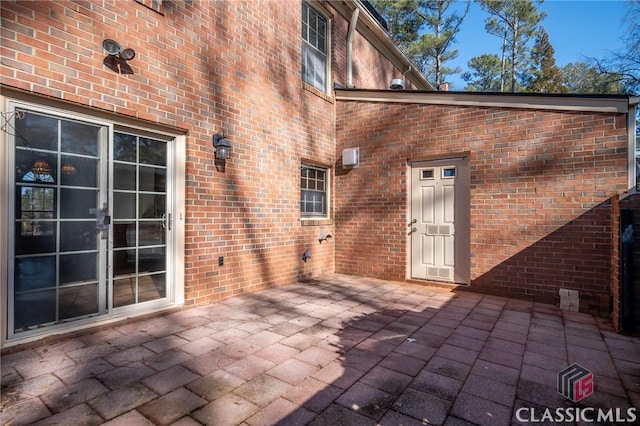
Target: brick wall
{"points": [[204, 67], [540, 181]]}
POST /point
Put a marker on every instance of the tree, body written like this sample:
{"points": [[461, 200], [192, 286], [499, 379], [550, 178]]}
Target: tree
{"points": [[582, 78], [402, 19], [433, 48], [515, 22], [485, 74], [425, 30], [623, 66], [544, 75]]}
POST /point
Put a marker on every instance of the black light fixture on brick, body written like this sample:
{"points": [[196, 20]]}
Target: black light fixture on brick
{"points": [[222, 146], [117, 57]]}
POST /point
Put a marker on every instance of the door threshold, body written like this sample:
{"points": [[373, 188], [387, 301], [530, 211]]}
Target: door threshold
{"points": [[49, 337], [433, 283]]}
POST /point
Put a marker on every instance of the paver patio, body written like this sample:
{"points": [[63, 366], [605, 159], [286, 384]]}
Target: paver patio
{"points": [[339, 350]]}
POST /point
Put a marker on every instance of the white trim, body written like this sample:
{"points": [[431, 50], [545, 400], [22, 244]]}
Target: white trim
{"points": [[179, 190], [327, 184], [614, 104], [4, 220]]}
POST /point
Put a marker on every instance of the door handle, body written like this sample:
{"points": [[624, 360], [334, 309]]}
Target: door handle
{"points": [[166, 221], [103, 220], [412, 230], [412, 222]]}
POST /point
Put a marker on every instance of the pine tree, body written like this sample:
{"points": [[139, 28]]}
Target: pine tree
{"points": [[425, 30], [485, 74], [515, 22], [544, 76]]}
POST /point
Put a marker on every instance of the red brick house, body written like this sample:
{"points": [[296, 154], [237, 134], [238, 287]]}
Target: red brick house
{"points": [[118, 204]]}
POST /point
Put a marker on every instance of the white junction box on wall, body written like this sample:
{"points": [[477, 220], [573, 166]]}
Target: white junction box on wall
{"points": [[351, 157]]}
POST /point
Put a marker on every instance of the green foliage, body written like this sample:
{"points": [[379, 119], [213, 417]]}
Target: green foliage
{"points": [[484, 74], [623, 65], [582, 78], [515, 22], [544, 75], [402, 19], [425, 30]]}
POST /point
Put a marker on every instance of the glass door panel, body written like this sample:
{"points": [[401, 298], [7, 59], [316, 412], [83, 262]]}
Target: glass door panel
{"points": [[57, 251], [89, 220], [140, 219]]}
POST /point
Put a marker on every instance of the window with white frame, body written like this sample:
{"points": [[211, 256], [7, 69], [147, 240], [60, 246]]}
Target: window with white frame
{"points": [[314, 47], [314, 184]]}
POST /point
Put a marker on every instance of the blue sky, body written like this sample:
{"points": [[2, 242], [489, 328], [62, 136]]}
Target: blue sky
{"points": [[576, 28]]}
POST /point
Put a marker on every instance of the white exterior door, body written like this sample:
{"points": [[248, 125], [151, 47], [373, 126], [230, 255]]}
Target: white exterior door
{"points": [[438, 226]]}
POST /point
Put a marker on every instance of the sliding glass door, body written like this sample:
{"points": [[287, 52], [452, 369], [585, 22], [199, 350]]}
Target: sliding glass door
{"points": [[89, 220]]}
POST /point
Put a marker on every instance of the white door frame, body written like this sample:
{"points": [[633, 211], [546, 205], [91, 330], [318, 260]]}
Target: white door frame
{"points": [[462, 261]]}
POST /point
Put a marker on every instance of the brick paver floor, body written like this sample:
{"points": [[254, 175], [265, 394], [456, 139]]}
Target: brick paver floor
{"points": [[339, 350]]}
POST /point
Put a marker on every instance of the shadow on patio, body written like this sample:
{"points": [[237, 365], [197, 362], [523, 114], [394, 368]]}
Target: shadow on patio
{"points": [[338, 350]]}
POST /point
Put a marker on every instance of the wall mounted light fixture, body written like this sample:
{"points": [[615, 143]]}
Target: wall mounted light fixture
{"points": [[222, 146], [117, 57]]}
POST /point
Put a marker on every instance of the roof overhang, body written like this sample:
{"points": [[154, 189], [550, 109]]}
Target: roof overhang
{"points": [[592, 103]]}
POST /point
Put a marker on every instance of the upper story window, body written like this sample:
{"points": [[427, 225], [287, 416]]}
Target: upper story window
{"points": [[315, 47]]}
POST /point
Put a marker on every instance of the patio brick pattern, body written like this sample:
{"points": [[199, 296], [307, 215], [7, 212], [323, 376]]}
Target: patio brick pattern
{"points": [[336, 350]]}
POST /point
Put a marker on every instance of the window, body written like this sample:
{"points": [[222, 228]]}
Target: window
{"points": [[426, 174], [449, 172], [313, 194], [314, 47]]}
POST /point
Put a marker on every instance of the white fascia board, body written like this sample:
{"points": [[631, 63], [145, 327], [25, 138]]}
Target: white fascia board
{"points": [[521, 101]]}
